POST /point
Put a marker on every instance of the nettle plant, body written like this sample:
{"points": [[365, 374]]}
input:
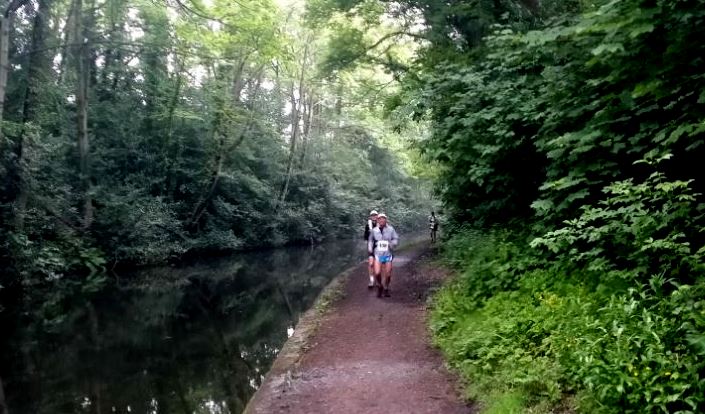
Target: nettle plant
{"points": [[639, 352], [643, 350], [639, 230]]}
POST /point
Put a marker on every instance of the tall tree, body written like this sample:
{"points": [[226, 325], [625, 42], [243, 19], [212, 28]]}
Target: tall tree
{"points": [[3, 403], [37, 74], [297, 101], [84, 19], [8, 14]]}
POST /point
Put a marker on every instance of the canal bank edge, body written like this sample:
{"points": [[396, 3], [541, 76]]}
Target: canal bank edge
{"points": [[296, 346], [286, 362]]}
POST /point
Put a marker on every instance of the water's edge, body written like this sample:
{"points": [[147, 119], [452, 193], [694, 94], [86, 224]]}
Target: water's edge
{"points": [[295, 347]]}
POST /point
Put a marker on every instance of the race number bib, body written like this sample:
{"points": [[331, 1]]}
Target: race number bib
{"points": [[383, 246]]}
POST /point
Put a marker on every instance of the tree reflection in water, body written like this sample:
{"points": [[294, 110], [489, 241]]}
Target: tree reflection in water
{"points": [[192, 339]]}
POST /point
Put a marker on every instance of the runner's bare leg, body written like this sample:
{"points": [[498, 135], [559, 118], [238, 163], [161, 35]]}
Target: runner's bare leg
{"points": [[387, 271], [371, 270]]}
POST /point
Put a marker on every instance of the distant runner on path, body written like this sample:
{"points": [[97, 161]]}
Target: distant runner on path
{"points": [[433, 226], [382, 242], [371, 224]]}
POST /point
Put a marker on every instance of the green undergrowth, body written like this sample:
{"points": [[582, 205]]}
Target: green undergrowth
{"points": [[531, 334]]}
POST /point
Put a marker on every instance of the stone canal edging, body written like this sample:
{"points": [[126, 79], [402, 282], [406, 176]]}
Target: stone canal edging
{"points": [[295, 347]]}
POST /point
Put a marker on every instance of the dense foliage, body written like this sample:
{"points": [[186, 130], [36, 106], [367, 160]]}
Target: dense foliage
{"points": [[135, 133], [571, 107], [591, 127], [571, 135], [570, 324]]}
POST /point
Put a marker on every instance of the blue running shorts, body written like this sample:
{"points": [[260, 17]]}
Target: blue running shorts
{"points": [[384, 259]]}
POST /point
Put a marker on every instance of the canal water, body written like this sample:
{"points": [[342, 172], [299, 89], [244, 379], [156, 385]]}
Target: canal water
{"points": [[196, 338]]}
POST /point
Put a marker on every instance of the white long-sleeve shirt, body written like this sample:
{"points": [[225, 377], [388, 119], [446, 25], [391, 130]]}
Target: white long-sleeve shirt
{"points": [[386, 234]]}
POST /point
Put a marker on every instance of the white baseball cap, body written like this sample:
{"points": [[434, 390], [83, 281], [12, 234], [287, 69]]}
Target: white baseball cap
{"points": [[382, 215], [373, 213]]}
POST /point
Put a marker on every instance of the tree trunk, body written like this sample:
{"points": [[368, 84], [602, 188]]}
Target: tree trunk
{"points": [[203, 202], [308, 118], [82, 32], [107, 67], [239, 80], [5, 23], [69, 38], [292, 147], [3, 403], [316, 119], [181, 394], [83, 142], [5, 26], [295, 119], [279, 97], [96, 389], [112, 65], [339, 101], [116, 78], [38, 63], [38, 66], [215, 176], [234, 366], [172, 148], [253, 104], [33, 374], [96, 398]]}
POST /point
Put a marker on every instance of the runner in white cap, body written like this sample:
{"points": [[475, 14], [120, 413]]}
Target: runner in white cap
{"points": [[371, 224], [382, 242]]}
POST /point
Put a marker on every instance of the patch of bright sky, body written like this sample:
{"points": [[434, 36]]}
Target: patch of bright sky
{"points": [[289, 4], [135, 31], [60, 29]]}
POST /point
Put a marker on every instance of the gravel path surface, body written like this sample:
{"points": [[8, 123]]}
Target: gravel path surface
{"points": [[369, 355]]}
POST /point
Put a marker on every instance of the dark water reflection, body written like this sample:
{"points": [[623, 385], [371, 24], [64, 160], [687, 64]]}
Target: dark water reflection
{"points": [[193, 339]]}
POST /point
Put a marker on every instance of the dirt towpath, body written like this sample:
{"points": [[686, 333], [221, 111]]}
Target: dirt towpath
{"points": [[368, 355]]}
